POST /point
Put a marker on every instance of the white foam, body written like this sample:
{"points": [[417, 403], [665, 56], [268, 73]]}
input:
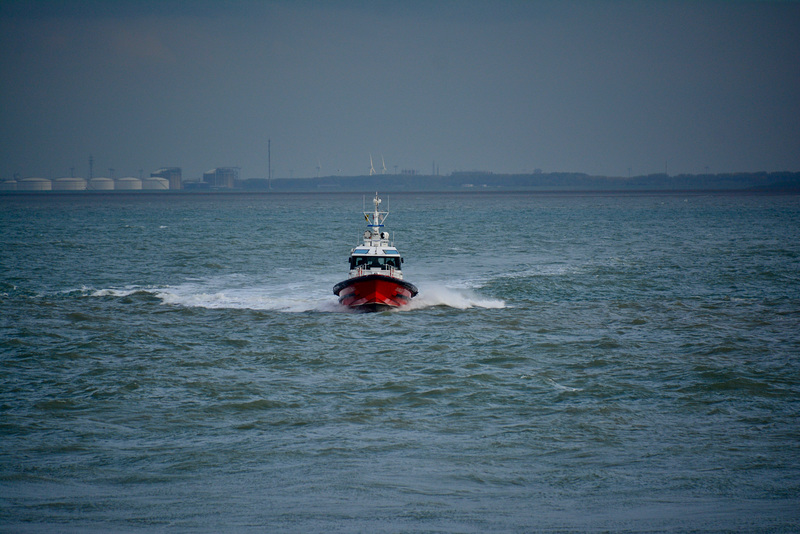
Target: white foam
{"points": [[561, 387], [291, 297], [461, 298], [112, 292]]}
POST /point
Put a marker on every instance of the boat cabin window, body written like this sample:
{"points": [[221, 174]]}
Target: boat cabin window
{"points": [[374, 262]]}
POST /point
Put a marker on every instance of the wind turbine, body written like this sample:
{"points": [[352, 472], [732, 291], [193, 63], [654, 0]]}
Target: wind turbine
{"points": [[371, 167], [318, 168], [384, 165]]}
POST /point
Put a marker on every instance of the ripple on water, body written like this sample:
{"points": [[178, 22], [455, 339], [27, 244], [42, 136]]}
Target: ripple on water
{"points": [[602, 365]]}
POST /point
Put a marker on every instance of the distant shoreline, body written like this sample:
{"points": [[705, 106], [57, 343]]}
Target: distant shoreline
{"points": [[475, 182], [530, 192]]}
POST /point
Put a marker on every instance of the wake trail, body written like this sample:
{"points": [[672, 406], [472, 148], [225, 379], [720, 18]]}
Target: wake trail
{"points": [[290, 297]]}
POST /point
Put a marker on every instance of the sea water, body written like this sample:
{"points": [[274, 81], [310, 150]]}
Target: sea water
{"points": [[580, 362]]}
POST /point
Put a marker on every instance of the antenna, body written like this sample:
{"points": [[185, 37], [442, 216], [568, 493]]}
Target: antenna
{"points": [[371, 168]]}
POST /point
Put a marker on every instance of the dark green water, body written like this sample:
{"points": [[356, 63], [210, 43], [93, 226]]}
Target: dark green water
{"points": [[573, 362]]}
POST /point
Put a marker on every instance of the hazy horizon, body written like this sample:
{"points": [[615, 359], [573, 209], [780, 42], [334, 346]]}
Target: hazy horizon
{"points": [[599, 87]]}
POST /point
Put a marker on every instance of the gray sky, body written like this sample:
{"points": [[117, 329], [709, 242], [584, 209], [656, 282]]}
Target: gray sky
{"points": [[589, 86]]}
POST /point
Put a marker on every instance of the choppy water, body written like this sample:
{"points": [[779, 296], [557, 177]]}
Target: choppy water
{"points": [[573, 362]]}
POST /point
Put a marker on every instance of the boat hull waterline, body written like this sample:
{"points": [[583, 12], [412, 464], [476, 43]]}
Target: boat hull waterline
{"points": [[374, 292]]}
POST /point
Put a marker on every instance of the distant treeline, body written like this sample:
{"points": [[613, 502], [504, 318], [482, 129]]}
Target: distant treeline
{"points": [[557, 181]]}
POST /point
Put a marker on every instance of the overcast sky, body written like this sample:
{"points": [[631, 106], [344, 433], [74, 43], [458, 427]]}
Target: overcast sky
{"points": [[602, 87]]}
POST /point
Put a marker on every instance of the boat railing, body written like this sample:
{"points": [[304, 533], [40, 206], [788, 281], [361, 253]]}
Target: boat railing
{"points": [[391, 271]]}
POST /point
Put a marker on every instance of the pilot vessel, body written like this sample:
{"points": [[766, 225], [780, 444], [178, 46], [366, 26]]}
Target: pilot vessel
{"points": [[376, 280]]}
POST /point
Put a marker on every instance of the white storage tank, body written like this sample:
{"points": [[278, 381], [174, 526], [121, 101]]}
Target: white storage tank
{"points": [[129, 183], [8, 185], [69, 184], [34, 184], [100, 184], [155, 183]]}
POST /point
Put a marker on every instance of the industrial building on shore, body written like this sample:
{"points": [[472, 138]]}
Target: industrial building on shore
{"points": [[171, 174], [168, 178], [164, 179], [222, 177]]}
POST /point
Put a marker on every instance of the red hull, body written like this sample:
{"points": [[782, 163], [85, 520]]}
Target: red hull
{"points": [[374, 292]]}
